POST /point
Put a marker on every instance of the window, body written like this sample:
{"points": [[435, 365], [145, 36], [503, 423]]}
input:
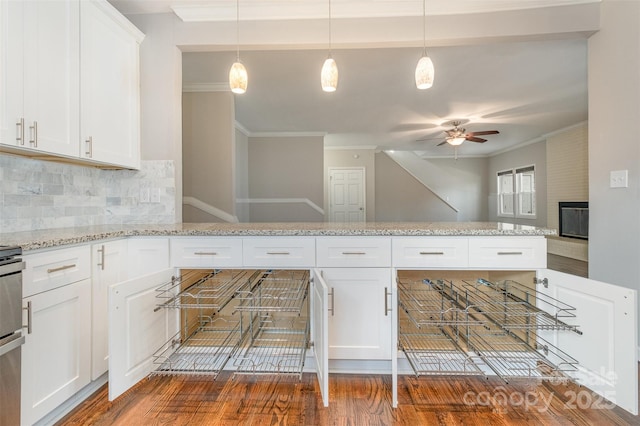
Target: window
{"points": [[517, 192]]}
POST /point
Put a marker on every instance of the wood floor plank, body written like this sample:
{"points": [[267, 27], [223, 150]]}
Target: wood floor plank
{"points": [[354, 400]]}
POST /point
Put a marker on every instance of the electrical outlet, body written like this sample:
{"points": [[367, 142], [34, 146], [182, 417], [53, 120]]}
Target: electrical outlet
{"points": [[155, 195], [619, 179], [144, 195]]}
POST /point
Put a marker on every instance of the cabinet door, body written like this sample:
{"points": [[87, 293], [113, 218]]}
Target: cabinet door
{"points": [[51, 76], [607, 349], [11, 79], [320, 333], [359, 321], [108, 262], [56, 356], [110, 89], [136, 329]]}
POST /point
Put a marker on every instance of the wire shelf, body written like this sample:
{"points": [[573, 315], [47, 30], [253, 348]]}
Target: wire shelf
{"points": [[205, 352], [209, 289], [278, 347], [275, 291]]}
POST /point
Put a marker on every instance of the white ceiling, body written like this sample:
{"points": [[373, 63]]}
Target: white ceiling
{"points": [[523, 89]]}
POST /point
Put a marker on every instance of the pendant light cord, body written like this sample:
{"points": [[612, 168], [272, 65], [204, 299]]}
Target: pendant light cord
{"points": [[329, 28], [237, 30], [424, 27]]}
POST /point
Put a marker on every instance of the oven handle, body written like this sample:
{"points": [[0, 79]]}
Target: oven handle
{"points": [[16, 343]]}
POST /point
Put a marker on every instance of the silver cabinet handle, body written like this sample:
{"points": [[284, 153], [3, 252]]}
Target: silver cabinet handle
{"points": [[331, 294], [347, 253], [61, 268], [509, 253], [205, 253], [20, 129], [34, 134], [432, 253], [387, 293], [101, 263], [29, 317], [284, 253], [89, 151]]}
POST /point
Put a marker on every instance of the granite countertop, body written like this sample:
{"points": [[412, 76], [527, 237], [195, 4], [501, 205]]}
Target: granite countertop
{"points": [[33, 240]]}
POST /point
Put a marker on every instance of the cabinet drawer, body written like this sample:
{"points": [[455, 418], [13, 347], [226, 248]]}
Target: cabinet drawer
{"points": [[279, 252], [508, 252], [206, 252], [428, 252], [55, 268], [353, 252]]}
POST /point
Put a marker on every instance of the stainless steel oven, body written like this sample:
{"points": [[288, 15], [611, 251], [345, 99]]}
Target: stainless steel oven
{"points": [[11, 338]]}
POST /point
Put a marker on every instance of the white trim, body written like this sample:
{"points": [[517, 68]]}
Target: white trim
{"points": [[353, 147], [206, 87], [223, 11], [520, 145], [286, 134], [281, 201], [242, 129], [565, 129], [207, 208], [423, 184]]}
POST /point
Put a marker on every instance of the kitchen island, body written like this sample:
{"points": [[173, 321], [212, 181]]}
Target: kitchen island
{"points": [[353, 295], [47, 238]]}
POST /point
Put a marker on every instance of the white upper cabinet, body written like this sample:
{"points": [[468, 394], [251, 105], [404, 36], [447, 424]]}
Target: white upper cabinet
{"points": [[110, 89], [40, 76], [69, 80], [51, 76]]}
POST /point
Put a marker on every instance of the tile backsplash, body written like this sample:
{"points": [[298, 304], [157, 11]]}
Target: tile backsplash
{"points": [[37, 194]]}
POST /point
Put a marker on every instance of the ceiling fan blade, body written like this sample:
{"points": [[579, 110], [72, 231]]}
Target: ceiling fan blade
{"points": [[485, 132], [442, 143], [474, 139]]}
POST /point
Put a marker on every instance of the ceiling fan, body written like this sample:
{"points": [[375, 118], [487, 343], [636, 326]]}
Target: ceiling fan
{"points": [[457, 135]]}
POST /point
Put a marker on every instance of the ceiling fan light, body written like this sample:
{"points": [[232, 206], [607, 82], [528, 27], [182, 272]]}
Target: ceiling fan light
{"points": [[238, 78], [456, 141], [329, 75], [424, 73]]}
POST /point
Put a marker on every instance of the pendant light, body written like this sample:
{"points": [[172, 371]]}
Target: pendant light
{"points": [[238, 78], [424, 70], [329, 73]]}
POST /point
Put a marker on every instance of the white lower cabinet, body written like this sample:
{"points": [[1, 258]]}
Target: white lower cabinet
{"points": [[108, 261], [359, 313], [56, 357]]}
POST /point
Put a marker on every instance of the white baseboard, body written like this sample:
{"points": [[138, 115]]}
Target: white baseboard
{"points": [[66, 407]]}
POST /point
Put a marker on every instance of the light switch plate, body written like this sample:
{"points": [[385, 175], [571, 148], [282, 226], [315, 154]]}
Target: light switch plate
{"points": [[619, 179]]}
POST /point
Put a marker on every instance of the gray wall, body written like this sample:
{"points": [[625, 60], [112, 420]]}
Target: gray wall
{"points": [[282, 168], [614, 109], [242, 175], [401, 197], [534, 154], [208, 152]]}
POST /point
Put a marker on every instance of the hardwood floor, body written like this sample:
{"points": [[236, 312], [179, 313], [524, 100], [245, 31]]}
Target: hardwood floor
{"points": [[354, 400]]}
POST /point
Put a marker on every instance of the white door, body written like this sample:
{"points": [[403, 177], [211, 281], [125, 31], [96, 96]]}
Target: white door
{"points": [[359, 300], [346, 195], [56, 356], [321, 333], [607, 348], [11, 73], [136, 329], [109, 90], [52, 76], [108, 266]]}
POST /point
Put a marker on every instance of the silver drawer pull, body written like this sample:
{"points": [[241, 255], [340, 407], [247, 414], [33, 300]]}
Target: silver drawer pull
{"points": [[432, 253], [332, 306], [285, 253], [509, 253], [20, 128], [386, 301], [61, 268], [360, 253], [29, 317], [206, 253]]}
